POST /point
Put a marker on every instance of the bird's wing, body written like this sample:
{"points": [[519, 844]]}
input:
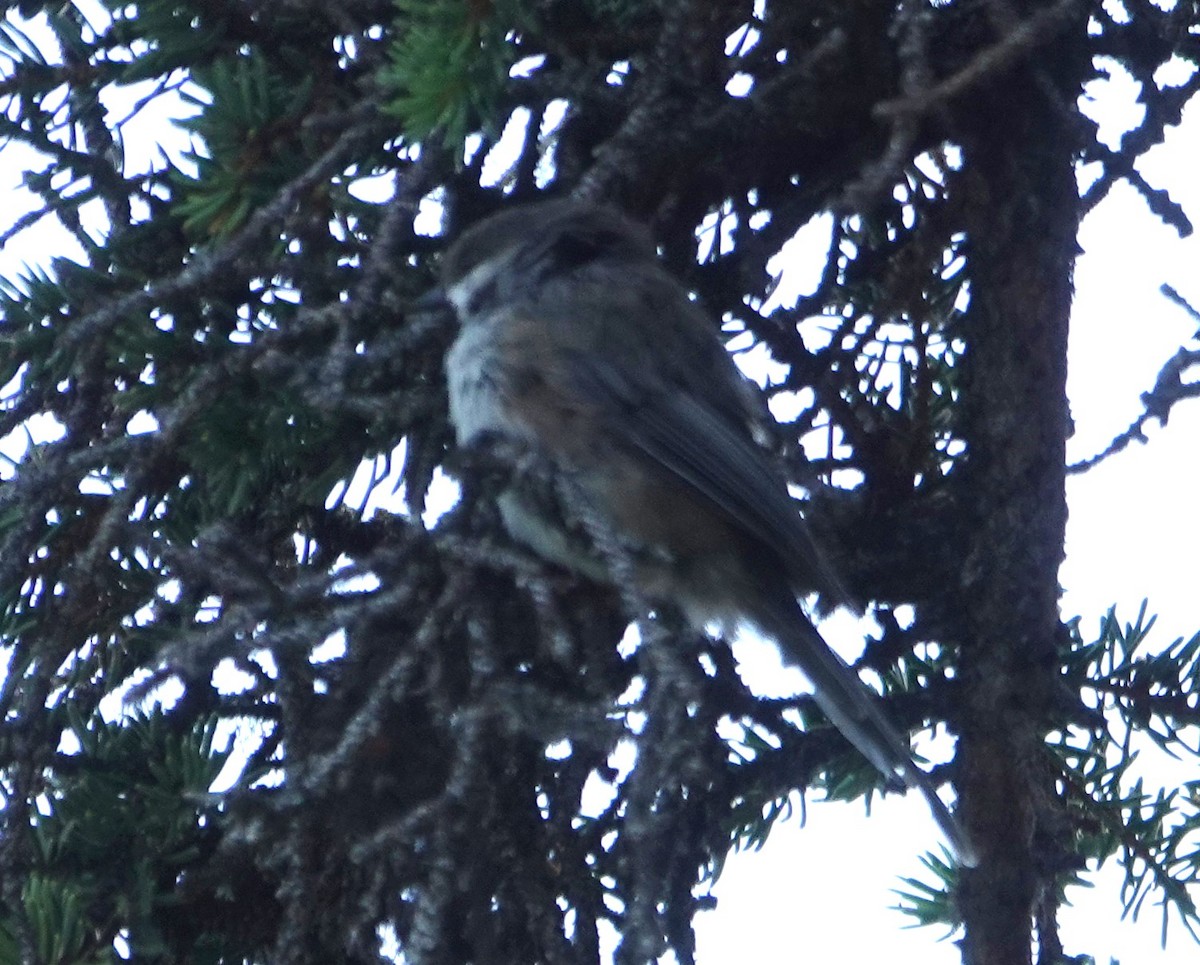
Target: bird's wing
{"points": [[698, 439], [718, 458]]}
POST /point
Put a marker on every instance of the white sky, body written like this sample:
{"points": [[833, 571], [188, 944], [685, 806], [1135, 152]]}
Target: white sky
{"points": [[823, 892]]}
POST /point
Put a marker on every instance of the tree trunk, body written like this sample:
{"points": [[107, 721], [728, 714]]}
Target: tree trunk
{"points": [[1021, 218]]}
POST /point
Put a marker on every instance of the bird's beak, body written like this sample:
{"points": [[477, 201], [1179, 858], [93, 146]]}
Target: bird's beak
{"points": [[432, 302]]}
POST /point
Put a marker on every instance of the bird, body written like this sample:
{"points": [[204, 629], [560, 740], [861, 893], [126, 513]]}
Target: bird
{"points": [[575, 344]]}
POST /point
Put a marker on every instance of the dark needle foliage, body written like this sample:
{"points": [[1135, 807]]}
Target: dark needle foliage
{"points": [[442, 737]]}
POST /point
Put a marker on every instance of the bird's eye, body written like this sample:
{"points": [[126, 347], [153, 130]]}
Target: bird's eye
{"points": [[574, 249]]}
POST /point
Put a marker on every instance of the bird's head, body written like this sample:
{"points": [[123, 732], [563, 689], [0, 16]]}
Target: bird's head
{"points": [[505, 256]]}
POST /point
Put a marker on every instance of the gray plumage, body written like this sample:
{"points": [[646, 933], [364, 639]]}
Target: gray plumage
{"points": [[576, 343]]}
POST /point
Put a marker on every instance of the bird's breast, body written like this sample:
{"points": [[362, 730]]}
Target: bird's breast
{"points": [[475, 375], [507, 375]]}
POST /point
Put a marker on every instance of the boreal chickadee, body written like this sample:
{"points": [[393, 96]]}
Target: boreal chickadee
{"points": [[577, 345]]}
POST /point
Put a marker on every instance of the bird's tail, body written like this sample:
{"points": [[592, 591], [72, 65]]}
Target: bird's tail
{"points": [[855, 711]]}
